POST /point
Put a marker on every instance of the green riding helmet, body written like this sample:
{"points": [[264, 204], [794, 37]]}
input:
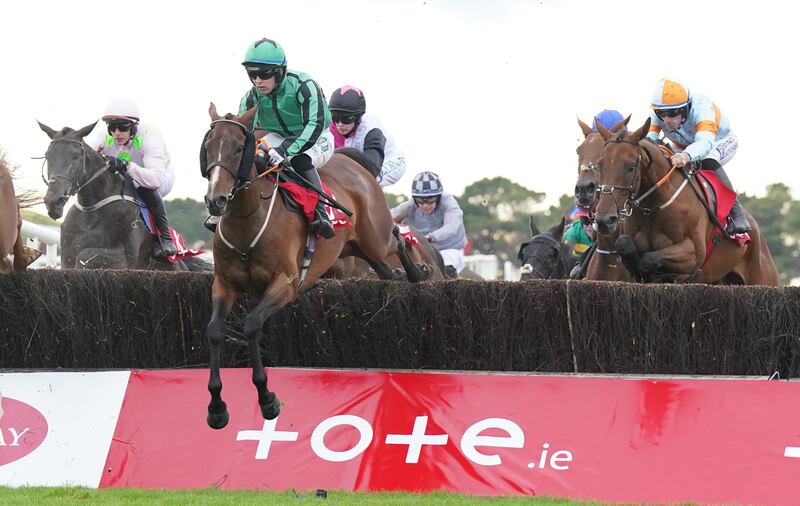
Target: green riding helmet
{"points": [[264, 53]]}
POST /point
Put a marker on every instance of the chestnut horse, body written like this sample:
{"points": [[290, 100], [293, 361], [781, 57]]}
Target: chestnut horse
{"points": [[263, 248], [10, 223], [425, 255], [665, 231], [603, 264]]}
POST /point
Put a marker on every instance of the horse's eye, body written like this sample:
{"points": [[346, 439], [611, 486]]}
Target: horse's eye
{"points": [[239, 149]]}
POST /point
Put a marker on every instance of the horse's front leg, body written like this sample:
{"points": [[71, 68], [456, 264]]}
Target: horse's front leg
{"points": [[679, 260], [222, 299], [280, 292], [631, 259]]}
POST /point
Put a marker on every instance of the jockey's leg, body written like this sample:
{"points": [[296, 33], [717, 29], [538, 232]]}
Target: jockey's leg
{"points": [[152, 199], [321, 224], [739, 223]]}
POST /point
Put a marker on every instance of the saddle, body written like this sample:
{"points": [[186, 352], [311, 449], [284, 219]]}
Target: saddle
{"points": [[718, 196], [301, 200]]}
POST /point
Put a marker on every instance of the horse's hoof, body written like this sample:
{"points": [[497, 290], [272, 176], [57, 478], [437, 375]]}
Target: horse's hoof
{"points": [[272, 408], [218, 420]]}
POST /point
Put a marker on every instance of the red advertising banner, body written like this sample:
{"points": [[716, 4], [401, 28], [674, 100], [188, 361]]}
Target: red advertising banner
{"points": [[610, 439]]}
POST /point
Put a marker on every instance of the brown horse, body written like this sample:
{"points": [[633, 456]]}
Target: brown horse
{"points": [[604, 263], [264, 244], [425, 255], [665, 231], [10, 224]]}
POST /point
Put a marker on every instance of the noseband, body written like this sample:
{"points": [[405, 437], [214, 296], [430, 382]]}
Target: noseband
{"points": [[630, 202], [72, 181]]}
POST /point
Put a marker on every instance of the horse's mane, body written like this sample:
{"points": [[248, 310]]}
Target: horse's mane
{"points": [[25, 198], [358, 156]]}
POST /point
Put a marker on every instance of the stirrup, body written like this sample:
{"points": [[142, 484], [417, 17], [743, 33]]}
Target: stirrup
{"points": [[211, 223]]}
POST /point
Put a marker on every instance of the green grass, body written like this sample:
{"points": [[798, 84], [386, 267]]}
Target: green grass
{"points": [[30, 496]]}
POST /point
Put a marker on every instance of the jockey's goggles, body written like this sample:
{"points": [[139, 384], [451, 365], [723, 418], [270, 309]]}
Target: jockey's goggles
{"points": [[670, 113], [124, 126], [426, 200], [263, 74], [344, 119]]}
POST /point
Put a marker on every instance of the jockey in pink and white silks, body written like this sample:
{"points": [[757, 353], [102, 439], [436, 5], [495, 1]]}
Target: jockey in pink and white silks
{"points": [[138, 150], [700, 132], [353, 128]]}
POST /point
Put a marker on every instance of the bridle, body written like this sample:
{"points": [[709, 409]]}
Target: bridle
{"points": [[632, 202], [528, 268], [75, 186]]}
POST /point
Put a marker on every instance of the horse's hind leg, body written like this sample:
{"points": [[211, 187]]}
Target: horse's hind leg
{"points": [[278, 294], [222, 299]]}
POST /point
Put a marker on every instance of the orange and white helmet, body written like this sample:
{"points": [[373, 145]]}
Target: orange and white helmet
{"points": [[671, 94], [122, 109]]}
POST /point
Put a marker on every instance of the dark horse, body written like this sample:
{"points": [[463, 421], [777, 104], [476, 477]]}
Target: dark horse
{"points": [[10, 222], [603, 262], [259, 245], [665, 231], [546, 256], [104, 228]]}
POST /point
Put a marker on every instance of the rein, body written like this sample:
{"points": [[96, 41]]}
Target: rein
{"points": [[82, 170], [631, 202]]}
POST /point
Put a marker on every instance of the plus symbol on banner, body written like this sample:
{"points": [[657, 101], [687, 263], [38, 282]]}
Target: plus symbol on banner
{"points": [[792, 451], [416, 439], [265, 437]]}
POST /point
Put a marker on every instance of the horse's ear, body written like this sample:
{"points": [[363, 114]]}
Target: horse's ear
{"points": [[534, 228], [46, 129], [621, 125], [560, 229], [247, 118], [212, 111], [586, 129], [83, 132], [642, 132], [604, 132]]}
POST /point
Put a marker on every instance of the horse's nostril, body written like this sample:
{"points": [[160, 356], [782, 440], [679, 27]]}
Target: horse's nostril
{"points": [[221, 201]]}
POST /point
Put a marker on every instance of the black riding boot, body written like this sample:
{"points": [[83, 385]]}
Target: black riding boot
{"points": [[164, 246], [321, 224], [739, 223], [211, 223]]}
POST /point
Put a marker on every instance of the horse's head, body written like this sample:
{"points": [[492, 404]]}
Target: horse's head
{"points": [[66, 158], [226, 157], [621, 169], [588, 154], [544, 256]]}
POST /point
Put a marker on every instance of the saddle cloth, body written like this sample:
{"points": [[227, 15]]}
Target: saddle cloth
{"points": [[177, 238], [408, 236], [304, 201]]}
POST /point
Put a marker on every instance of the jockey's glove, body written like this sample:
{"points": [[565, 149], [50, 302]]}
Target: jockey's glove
{"points": [[117, 165], [429, 238], [275, 157], [680, 159]]}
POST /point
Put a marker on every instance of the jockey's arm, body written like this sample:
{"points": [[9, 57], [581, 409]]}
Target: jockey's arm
{"points": [[401, 212], [315, 120], [154, 155], [453, 220], [374, 147]]}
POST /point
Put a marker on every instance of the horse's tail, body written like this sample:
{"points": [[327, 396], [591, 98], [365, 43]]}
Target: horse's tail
{"points": [[29, 198], [197, 264], [358, 157]]}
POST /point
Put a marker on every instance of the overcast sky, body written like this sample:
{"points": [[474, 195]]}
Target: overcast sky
{"points": [[468, 88]]}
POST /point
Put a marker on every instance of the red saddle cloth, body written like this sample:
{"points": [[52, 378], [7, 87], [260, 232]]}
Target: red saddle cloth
{"points": [[308, 199], [177, 238], [725, 197], [408, 236]]}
